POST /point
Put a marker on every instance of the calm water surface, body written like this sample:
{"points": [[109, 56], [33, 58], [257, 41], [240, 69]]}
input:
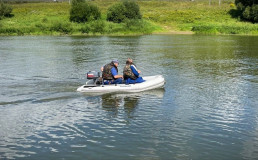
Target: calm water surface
{"points": [[208, 108]]}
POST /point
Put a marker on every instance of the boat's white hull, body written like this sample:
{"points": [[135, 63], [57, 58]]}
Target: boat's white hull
{"points": [[151, 82]]}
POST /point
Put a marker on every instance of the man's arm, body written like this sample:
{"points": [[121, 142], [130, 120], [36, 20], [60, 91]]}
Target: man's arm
{"points": [[115, 74]]}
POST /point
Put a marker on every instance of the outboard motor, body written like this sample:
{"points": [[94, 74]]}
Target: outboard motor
{"points": [[94, 77]]}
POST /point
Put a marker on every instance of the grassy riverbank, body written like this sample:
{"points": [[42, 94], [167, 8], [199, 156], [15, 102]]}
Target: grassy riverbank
{"points": [[158, 17]]}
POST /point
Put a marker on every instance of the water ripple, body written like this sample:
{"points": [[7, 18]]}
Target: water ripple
{"points": [[208, 109]]}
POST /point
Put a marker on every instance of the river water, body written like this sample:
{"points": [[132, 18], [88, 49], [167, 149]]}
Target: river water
{"points": [[208, 108]]}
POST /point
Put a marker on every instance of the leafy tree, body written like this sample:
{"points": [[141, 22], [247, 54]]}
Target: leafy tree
{"points": [[255, 13], [246, 3], [248, 9], [82, 11], [116, 13], [74, 2], [251, 13], [121, 11], [5, 10], [132, 10]]}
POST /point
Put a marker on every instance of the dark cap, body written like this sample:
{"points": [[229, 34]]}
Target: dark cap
{"points": [[115, 61]]}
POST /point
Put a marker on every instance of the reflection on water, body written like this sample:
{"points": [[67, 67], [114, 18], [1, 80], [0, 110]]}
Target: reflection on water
{"points": [[111, 104], [128, 101], [129, 105], [208, 109]]}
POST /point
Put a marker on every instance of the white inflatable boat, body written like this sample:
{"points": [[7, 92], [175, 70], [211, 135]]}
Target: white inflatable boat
{"points": [[151, 82]]}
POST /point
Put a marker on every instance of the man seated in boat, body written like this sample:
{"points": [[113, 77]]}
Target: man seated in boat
{"points": [[110, 73], [131, 73]]}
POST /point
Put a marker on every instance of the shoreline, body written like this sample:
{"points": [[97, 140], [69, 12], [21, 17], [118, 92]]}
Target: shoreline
{"points": [[174, 33], [119, 35], [167, 18], [128, 35]]}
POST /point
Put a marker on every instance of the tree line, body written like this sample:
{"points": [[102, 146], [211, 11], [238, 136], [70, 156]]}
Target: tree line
{"points": [[82, 11]]}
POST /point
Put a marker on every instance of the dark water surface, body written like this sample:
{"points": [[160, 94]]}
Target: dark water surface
{"points": [[208, 109]]}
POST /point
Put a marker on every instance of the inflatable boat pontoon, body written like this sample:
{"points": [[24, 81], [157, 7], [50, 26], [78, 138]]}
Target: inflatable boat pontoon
{"points": [[151, 82]]}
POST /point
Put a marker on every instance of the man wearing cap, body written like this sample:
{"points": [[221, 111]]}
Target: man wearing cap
{"points": [[110, 73]]}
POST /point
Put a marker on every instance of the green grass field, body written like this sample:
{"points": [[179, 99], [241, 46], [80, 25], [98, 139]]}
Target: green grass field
{"points": [[158, 17]]}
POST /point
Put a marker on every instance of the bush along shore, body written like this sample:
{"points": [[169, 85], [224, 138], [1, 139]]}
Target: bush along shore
{"points": [[112, 17]]}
